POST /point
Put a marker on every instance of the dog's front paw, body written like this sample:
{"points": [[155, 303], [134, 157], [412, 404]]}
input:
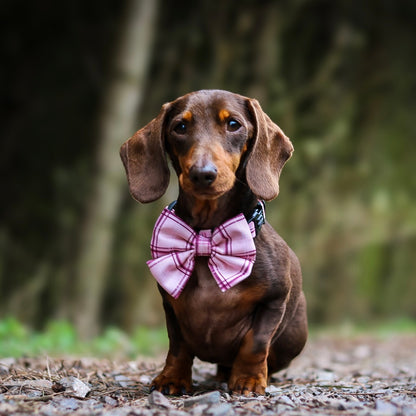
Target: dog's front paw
{"points": [[171, 385], [247, 384]]}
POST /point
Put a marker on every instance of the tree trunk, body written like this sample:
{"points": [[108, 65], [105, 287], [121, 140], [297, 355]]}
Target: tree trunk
{"points": [[117, 123]]}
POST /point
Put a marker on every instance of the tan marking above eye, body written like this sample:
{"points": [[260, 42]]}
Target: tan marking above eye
{"points": [[187, 116], [223, 115]]}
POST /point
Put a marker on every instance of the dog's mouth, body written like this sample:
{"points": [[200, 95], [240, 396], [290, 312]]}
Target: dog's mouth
{"points": [[211, 192]]}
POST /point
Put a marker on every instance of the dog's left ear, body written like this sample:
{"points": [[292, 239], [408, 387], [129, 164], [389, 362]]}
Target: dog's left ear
{"points": [[270, 151]]}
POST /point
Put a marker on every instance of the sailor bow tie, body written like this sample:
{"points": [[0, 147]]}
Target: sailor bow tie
{"points": [[230, 248]]}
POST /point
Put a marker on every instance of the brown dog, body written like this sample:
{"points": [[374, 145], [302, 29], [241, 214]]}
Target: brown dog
{"points": [[227, 154]]}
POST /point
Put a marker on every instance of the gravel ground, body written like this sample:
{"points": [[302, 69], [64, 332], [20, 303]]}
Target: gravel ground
{"points": [[333, 376]]}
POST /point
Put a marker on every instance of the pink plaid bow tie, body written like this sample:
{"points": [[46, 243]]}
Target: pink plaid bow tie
{"points": [[175, 244]]}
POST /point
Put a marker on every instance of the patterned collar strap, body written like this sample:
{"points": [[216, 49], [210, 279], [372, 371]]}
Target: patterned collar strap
{"points": [[257, 216]]}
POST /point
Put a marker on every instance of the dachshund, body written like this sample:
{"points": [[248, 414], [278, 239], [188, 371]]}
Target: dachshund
{"points": [[228, 156]]}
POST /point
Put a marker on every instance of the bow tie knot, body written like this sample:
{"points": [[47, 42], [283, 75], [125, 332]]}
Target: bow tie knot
{"points": [[174, 246], [203, 244]]}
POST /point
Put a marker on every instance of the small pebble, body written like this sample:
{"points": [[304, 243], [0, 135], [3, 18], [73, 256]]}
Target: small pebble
{"points": [[199, 409], [273, 390], [207, 398], [221, 409], [110, 401], [145, 379], [64, 403], [124, 381], [74, 386], [156, 398], [385, 407]]}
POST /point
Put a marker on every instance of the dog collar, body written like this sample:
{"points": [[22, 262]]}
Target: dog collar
{"points": [[257, 216]]}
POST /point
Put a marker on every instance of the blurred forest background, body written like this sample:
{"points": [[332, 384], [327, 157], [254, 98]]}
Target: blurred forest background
{"points": [[79, 77]]}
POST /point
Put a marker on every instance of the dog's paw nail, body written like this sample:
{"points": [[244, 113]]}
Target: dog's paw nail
{"points": [[152, 388]]}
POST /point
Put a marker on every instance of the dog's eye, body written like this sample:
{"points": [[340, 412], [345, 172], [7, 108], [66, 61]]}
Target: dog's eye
{"points": [[233, 125], [180, 128]]}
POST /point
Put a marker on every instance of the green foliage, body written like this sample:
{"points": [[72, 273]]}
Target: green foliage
{"points": [[401, 325], [59, 337], [381, 329], [146, 340], [13, 338]]}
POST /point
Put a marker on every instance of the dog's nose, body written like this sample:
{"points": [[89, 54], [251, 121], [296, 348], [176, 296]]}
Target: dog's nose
{"points": [[203, 175]]}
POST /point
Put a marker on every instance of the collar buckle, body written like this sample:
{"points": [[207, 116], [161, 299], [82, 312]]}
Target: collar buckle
{"points": [[258, 217]]}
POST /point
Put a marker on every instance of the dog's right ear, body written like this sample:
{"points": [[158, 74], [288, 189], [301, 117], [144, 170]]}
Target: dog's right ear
{"points": [[144, 158]]}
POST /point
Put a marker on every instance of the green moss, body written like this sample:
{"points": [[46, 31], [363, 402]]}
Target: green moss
{"points": [[60, 337]]}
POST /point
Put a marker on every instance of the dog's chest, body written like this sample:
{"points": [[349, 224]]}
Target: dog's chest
{"points": [[212, 321]]}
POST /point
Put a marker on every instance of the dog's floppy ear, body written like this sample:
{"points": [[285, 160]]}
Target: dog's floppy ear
{"points": [[144, 158], [270, 151]]}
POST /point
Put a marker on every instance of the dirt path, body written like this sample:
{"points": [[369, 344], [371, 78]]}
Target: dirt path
{"points": [[334, 376]]}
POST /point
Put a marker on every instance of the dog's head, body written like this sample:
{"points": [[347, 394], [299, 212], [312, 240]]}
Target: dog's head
{"points": [[211, 136]]}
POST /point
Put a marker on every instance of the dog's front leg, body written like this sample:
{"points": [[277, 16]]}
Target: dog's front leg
{"points": [[249, 370], [176, 376]]}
